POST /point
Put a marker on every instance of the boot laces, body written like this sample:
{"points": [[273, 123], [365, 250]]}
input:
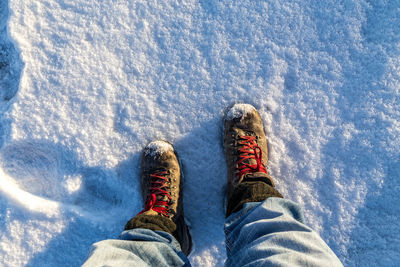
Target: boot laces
{"points": [[157, 194], [249, 150]]}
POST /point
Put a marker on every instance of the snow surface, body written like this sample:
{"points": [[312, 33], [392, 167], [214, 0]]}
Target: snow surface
{"points": [[85, 85]]}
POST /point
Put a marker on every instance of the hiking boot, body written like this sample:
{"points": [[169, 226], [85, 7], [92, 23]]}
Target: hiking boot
{"points": [[161, 182], [246, 156]]}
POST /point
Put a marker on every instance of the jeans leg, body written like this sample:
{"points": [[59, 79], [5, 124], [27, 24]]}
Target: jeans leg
{"points": [[273, 233], [137, 247]]}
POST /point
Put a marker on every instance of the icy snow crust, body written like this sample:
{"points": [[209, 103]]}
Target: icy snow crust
{"points": [[85, 85]]}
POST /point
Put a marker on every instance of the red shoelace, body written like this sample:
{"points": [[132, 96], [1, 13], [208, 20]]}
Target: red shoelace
{"points": [[157, 186], [250, 150]]}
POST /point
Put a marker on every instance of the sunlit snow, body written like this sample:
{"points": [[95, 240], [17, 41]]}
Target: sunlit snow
{"points": [[85, 85]]}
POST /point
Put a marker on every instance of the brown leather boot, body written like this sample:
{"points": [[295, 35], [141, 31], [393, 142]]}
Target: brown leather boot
{"points": [[246, 156], [161, 182]]}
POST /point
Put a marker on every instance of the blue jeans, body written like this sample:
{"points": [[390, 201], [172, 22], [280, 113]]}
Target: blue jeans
{"points": [[268, 233]]}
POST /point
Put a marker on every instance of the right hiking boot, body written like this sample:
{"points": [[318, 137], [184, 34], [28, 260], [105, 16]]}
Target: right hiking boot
{"points": [[246, 155], [161, 181]]}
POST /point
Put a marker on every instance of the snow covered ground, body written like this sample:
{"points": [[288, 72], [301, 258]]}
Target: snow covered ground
{"points": [[84, 85]]}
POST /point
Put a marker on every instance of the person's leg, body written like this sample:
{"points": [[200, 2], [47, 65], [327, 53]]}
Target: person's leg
{"points": [[158, 235], [137, 247], [262, 228], [273, 233]]}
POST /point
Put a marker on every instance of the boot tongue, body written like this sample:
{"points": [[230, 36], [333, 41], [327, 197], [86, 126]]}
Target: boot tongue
{"points": [[250, 161], [150, 212], [258, 176], [162, 198]]}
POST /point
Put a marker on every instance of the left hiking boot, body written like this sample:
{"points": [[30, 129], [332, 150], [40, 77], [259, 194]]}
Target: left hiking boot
{"points": [[161, 182], [246, 155]]}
